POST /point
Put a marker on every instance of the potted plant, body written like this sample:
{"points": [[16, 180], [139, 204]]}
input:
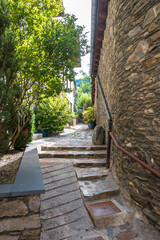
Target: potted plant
{"points": [[89, 117]]}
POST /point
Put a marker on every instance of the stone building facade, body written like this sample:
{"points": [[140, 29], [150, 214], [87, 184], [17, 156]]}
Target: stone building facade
{"points": [[129, 72]]}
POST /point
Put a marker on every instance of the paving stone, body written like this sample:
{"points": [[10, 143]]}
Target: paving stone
{"points": [[54, 167], [59, 177], [67, 218], [60, 200], [57, 172], [90, 173], [60, 183], [59, 191], [99, 189], [129, 235], [63, 209], [58, 233], [102, 209], [108, 214]]}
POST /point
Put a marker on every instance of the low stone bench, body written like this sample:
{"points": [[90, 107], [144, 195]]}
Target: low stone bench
{"points": [[20, 201]]}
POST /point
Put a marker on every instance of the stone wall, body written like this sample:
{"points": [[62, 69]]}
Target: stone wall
{"points": [[19, 218], [129, 71]]}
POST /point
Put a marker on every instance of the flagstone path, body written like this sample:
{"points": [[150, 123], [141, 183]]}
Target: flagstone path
{"points": [[82, 200]]}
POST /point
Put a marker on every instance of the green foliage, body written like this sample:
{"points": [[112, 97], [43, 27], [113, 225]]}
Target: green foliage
{"points": [[84, 101], [89, 115], [37, 52], [83, 93], [9, 90], [53, 113], [84, 84], [26, 135]]}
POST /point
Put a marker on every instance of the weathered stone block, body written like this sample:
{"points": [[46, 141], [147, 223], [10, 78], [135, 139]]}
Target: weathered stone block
{"points": [[31, 234], [152, 14], [98, 135], [7, 237], [135, 31], [34, 203], [13, 208], [139, 52], [127, 235], [20, 224]]}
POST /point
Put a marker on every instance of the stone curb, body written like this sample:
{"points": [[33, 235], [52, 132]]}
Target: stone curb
{"points": [[29, 180]]}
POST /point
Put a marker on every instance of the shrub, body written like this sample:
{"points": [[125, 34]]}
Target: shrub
{"points": [[26, 135], [89, 115], [53, 113], [84, 101]]}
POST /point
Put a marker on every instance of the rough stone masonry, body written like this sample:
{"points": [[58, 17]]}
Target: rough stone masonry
{"points": [[19, 218], [129, 71]]}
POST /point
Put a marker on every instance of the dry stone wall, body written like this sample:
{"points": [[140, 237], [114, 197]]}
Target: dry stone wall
{"points": [[129, 71], [19, 218]]}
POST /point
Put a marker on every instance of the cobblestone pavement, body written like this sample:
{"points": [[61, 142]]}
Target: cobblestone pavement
{"points": [[80, 135], [63, 212]]}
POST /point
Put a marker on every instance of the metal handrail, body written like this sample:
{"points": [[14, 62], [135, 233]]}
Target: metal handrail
{"points": [[109, 122], [111, 136], [152, 170]]}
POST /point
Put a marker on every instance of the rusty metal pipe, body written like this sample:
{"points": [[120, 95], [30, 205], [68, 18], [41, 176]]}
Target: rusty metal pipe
{"points": [[156, 173]]}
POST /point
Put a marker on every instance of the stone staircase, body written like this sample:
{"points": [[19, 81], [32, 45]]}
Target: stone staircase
{"points": [[99, 191]]}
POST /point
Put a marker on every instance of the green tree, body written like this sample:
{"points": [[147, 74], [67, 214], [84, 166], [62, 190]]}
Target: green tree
{"points": [[9, 89], [83, 93], [45, 50]]}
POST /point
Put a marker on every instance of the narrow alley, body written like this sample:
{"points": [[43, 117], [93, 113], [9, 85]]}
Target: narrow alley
{"points": [[82, 200]]}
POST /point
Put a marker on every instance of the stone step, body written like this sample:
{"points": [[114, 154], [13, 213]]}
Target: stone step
{"points": [[73, 154], [109, 213], [82, 162], [99, 189], [72, 148], [95, 238], [91, 173]]}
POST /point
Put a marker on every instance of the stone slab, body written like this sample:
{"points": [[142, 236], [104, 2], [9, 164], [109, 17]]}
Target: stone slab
{"points": [[52, 173], [99, 189], [128, 235], [91, 173], [111, 217], [79, 148], [95, 238], [101, 209], [60, 190], [60, 200], [59, 177], [5, 190], [29, 178], [73, 154], [81, 162]]}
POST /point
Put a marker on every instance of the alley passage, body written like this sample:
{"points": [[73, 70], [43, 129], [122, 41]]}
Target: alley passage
{"points": [[82, 200]]}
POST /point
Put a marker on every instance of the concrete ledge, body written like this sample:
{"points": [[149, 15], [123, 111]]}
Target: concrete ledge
{"points": [[29, 180]]}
